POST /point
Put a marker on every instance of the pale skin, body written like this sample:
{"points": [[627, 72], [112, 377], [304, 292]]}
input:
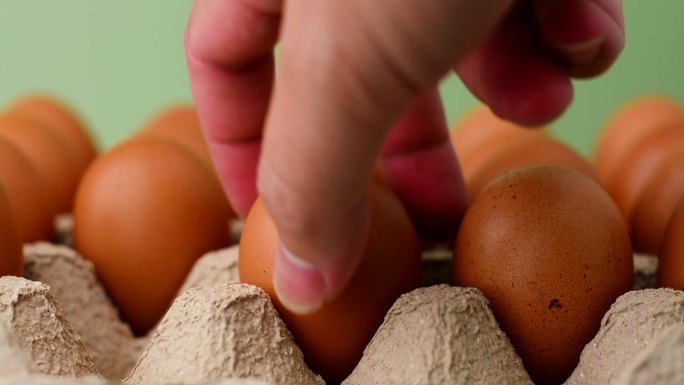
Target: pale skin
{"points": [[356, 83]]}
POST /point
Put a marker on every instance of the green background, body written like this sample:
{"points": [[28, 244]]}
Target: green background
{"points": [[119, 62]]}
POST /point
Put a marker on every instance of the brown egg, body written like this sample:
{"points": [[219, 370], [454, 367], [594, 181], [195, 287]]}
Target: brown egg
{"points": [[480, 134], [180, 114], [658, 200], [333, 338], [477, 126], [144, 213], [671, 260], [551, 252], [633, 174], [64, 121], [11, 254], [27, 194], [627, 127], [526, 151], [49, 154], [181, 124]]}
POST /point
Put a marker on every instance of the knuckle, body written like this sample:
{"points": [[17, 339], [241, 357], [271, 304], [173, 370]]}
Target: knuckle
{"points": [[191, 42]]}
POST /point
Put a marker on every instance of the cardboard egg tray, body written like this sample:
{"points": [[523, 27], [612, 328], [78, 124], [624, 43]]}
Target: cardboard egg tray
{"points": [[56, 324]]}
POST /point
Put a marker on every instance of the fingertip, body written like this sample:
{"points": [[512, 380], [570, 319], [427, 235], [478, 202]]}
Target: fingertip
{"points": [[586, 35], [320, 246], [514, 75], [582, 53], [537, 102], [298, 284]]}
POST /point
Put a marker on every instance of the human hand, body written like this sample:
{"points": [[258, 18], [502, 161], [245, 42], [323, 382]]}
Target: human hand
{"points": [[357, 80]]}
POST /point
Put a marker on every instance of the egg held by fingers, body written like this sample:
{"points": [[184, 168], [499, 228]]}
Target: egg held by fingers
{"points": [[333, 337]]}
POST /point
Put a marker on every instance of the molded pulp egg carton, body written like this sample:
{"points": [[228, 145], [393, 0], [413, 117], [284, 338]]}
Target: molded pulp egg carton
{"points": [[56, 323]]}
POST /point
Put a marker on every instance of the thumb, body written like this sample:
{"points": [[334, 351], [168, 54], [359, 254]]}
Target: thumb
{"points": [[348, 72]]}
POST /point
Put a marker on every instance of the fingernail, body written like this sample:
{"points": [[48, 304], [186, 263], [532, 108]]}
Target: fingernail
{"points": [[299, 285], [582, 53]]}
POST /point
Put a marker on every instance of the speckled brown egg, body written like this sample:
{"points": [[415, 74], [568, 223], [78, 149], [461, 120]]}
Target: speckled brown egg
{"points": [[627, 127], [333, 338], [551, 252], [657, 202], [27, 193], [539, 149], [11, 254], [145, 211], [671, 260]]}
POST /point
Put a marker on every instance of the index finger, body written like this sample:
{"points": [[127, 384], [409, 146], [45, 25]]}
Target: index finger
{"points": [[229, 48]]}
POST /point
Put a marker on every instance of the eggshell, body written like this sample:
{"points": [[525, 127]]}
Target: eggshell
{"points": [[658, 201], [48, 153], [333, 338], [551, 252], [480, 134], [27, 194], [478, 125], [633, 174], [144, 213], [11, 255], [526, 151], [627, 127], [64, 121], [182, 124], [671, 261]]}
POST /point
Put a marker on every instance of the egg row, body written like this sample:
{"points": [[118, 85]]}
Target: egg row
{"points": [[640, 161], [58, 146], [488, 146], [44, 149], [156, 194]]}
